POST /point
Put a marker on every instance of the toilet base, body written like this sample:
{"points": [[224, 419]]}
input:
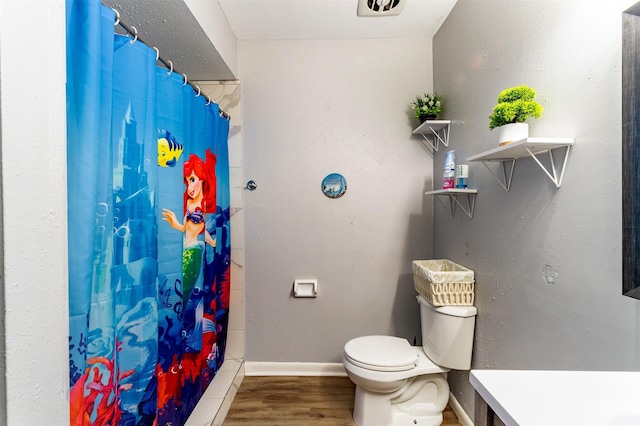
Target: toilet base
{"points": [[420, 401]]}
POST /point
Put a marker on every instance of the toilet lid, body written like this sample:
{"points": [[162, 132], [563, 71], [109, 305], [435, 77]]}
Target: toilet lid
{"points": [[381, 353]]}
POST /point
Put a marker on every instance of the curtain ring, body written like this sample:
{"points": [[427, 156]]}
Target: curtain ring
{"points": [[157, 53], [117, 17], [135, 35], [171, 69], [208, 101], [184, 81], [198, 87]]}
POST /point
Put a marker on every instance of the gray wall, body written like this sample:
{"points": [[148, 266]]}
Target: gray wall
{"points": [[569, 51], [3, 387], [311, 108]]}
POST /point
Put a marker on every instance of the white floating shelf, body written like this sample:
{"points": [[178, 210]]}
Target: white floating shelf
{"points": [[434, 125], [453, 194], [434, 132], [529, 147], [522, 148], [452, 191]]}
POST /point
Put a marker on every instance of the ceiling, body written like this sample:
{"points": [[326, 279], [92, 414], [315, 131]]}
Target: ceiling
{"points": [[331, 20], [170, 26]]}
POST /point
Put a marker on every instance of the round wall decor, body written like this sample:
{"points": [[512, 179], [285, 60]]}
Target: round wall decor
{"points": [[334, 185]]}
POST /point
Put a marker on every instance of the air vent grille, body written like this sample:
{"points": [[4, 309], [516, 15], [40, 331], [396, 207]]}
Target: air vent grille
{"points": [[380, 7]]}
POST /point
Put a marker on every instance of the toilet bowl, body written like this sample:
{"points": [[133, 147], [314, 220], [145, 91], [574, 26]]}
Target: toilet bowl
{"points": [[400, 384]]}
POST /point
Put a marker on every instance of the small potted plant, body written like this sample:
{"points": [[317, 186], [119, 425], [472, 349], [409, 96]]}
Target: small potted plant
{"points": [[515, 105], [427, 106]]}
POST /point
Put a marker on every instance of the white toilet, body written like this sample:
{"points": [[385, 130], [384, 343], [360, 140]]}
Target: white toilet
{"points": [[400, 384]]}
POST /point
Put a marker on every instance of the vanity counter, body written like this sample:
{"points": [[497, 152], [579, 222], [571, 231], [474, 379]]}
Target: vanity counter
{"points": [[556, 398]]}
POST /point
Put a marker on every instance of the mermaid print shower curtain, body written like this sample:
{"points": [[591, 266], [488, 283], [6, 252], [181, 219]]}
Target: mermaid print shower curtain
{"points": [[148, 220]]}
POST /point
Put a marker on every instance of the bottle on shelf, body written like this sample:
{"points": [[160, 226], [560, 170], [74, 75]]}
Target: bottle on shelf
{"points": [[462, 175], [449, 174]]}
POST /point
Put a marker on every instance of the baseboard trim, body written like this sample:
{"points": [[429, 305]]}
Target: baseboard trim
{"points": [[294, 369], [463, 418]]}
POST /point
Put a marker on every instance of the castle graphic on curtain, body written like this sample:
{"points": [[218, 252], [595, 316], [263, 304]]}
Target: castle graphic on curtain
{"points": [[149, 242]]}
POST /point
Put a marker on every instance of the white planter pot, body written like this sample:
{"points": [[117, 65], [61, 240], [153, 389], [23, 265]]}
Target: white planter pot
{"points": [[512, 133]]}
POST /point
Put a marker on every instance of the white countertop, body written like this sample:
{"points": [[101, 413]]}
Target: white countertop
{"points": [[561, 398]]}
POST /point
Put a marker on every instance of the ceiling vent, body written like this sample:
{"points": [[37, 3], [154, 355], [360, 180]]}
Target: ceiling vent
{"points": [[380, 7]]}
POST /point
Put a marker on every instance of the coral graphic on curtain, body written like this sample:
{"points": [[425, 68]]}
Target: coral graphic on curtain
{"points": [[148, 217]]}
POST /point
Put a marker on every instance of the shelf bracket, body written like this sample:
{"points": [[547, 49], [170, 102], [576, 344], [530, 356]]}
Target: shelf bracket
{"points": [[529, 147], [555, 178], [453, 202], [507, 172], [437, 136], [552, 172]]}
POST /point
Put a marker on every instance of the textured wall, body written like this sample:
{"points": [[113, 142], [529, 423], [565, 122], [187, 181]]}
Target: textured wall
{"points": [[312, 108], [34, 213], [570, 52]]}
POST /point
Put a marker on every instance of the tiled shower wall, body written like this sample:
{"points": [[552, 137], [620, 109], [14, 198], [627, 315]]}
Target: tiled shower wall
{"points": [[215, 403]]}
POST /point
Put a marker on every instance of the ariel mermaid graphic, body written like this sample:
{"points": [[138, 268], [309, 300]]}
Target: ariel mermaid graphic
{"points": [[199, 200]]}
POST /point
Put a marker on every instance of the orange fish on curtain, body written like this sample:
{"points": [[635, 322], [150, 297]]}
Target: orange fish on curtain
{"points": [[149, 243]]}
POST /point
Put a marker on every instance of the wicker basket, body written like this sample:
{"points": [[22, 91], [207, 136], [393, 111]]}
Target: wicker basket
{"points": [[443, 282]]}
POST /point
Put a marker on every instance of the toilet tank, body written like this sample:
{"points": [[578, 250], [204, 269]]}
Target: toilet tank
{"points": [[447, 333]]}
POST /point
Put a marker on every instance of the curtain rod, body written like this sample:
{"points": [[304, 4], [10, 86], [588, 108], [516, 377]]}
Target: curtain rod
{"points": [[132, 31]]}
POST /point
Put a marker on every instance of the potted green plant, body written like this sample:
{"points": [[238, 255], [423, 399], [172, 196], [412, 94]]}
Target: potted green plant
{"points": [[515, 105], [427, 106]]}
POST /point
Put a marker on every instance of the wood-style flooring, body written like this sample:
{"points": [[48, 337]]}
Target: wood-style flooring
{"points": [[299, 401]]}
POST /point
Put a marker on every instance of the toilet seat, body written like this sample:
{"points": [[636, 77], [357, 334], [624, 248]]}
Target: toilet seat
{"points": [[381, 353]]}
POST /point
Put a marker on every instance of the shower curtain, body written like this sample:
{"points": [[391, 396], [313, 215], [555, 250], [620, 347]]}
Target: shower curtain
{"points": [[148, 220]]}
